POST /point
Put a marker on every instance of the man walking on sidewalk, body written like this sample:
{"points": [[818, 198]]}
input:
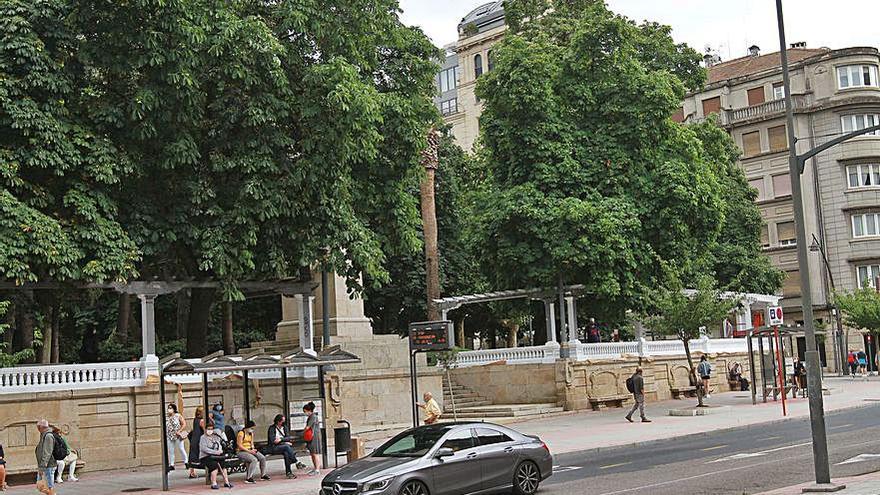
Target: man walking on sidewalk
{"points": [[636, 385]]}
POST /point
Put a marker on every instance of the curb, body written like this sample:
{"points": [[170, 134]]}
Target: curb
{"points": [[700, 434]]}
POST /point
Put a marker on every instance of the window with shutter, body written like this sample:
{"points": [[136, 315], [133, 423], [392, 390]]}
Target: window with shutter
{"points": [[756, 96], [711, 105], [781, 185], [751, 143], [778, 138], [786, 234], [765, 236]]}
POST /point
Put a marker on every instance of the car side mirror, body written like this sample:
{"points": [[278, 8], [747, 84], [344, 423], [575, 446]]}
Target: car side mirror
{"points": [[444, 452]]}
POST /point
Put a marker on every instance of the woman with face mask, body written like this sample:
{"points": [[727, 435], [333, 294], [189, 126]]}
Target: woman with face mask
{"points": [[174, 434], [211, 455], [244, 447]]}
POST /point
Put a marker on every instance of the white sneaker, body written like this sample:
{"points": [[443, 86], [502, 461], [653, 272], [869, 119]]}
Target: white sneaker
{"points": [[72, 478], [59, 480], [314, 472]]}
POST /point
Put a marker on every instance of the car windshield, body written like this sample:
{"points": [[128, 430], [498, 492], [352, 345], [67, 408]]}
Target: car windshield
{"points": [[414, 443]]}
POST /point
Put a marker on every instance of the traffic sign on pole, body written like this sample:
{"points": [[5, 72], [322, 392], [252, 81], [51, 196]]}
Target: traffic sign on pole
{"points": [[774, 316]]}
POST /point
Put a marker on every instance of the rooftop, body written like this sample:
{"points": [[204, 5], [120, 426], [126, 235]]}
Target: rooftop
{"points": [[484, 15], [750, 64]]}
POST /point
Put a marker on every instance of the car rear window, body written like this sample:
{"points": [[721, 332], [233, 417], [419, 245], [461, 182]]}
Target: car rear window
{"points": [[488, 436]]}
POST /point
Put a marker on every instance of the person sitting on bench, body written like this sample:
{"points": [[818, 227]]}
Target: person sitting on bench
{"points": [[211, 455], [244, 446], [279, 442]]}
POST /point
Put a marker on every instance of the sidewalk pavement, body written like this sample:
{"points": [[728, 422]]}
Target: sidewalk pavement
{"points": [[563, 433], [867, 484]]}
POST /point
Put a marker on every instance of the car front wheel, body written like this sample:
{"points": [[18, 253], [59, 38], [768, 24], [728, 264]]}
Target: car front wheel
{"points": [[526, 479], [414, 488]]}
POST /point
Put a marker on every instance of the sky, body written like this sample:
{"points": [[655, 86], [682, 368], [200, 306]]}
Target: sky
{"points": [[729, 27]]}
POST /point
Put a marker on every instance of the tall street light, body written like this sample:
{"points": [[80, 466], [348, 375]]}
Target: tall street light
{"points": [[840, 355], [814, 371]]}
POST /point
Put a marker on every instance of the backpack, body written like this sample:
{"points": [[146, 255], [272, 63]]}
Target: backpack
{"points": [[630, 385], [59, 451]]}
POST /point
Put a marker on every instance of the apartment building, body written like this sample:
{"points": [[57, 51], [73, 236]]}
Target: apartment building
{"points": [[834, 92], [465, 61]]}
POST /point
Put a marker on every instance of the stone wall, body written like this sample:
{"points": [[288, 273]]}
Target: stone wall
{"points": [[514, 384], [572, 383]]}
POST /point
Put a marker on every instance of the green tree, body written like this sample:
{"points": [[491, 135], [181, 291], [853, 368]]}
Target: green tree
{"points": [[393, 305], [675, 311], [860, 308], [591, 182], [7, 356], [736, 256], [259, 134]]}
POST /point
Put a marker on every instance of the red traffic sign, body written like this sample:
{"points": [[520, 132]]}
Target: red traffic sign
{"points": [[774, 316]]}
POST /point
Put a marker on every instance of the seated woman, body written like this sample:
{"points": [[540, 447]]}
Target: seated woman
{"points": [[211, 455], [280, 443], [70, 460], [3, 486]]}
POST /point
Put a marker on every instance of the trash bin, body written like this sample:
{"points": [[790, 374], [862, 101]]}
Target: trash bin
{"points": [[341, 439]]}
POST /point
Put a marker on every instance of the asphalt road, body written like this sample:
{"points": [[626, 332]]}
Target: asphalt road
{"points": [[742, 461]]}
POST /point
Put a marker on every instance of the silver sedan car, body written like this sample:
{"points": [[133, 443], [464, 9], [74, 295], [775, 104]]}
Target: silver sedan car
{"points": [[447, 459]]}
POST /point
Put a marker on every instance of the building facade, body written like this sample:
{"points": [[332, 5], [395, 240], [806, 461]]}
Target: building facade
{"points": [[834, 92], [466, 60]]}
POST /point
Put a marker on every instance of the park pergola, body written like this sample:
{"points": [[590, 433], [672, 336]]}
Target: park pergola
{"points": [[219, 364], [148, 290], [566, 294]]}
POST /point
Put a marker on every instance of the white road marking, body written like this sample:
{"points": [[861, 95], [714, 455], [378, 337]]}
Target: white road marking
{"points": [[748, 455], [714, 448], [859, 458], [839, 427], [614, 465], [562, 469], [717, 472]]}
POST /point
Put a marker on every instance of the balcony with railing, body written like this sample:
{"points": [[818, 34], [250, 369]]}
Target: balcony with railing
{"points": [[766, 110]]}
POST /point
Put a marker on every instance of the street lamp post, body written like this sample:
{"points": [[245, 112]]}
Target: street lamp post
{"points": [[796, 165], [840, 355]]}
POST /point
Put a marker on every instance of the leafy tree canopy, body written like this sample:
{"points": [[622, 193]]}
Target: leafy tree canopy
{"points": [[235, 140], [591, 180], [860, 308]]}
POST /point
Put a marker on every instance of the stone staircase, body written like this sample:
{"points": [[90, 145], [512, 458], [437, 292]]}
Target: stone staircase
{"points": [[470, 405]]}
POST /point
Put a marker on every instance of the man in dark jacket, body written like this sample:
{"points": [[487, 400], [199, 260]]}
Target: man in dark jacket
{"points": [[639, 396], [279, 442]]}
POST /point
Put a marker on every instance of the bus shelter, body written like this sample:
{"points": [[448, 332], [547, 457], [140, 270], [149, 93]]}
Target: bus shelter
{"points": [[217, 366], [775, 347]]}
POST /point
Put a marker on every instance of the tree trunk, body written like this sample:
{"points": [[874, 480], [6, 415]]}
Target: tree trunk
{"points": [[512, 335], [197, 323], [228, 338], [182, 298], [24, 325], [45, 301], [55, 355], [123, 318], [429, 226], [460, 339]]}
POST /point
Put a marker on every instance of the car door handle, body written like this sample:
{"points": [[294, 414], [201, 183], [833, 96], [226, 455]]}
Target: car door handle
{"points": [[472, 455], [508, 449]]}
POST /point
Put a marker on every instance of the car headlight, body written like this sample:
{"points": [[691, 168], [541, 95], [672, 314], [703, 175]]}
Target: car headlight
{"points": [[378, 485]]}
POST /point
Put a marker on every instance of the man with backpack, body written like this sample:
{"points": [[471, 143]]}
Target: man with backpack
{"points": [[636, 385], [45, 452]]}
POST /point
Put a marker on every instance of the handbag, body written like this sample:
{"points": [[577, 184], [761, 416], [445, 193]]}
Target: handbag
{"points": [[308, 434]]}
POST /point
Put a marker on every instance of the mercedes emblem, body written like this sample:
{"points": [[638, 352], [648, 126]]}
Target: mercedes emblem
{"points": [[337, 489]]}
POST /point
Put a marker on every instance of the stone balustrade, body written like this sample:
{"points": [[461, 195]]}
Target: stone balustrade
{"points": [[603, 350], [25, 379], [516, 355]]}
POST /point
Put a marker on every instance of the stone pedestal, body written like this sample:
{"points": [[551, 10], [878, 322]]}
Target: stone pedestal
{"points": [[347, 318]]}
